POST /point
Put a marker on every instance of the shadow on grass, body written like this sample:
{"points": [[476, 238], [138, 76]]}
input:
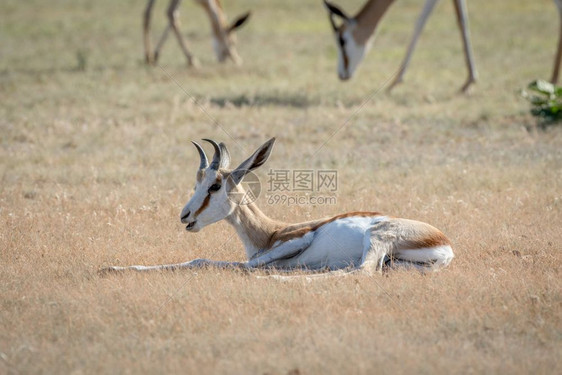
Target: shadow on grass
{"points": [[80, 68], [268, 99]]}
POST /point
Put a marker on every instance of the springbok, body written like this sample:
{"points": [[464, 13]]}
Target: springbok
{"points": [[354, 36], [354, 241], [558, 56], [223, 36]]}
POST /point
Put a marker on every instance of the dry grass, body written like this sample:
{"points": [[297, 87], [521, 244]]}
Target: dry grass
{"points": [[95, 165]]}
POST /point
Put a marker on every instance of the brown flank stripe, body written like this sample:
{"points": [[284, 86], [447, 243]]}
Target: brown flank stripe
{"points": [[299, 230]]}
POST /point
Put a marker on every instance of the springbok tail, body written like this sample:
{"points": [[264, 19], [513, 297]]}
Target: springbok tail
{"points": [[430, 259]]}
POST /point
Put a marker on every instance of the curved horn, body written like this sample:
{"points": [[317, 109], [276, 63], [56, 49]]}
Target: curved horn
{"points": [[225, 156], [217, 156], [204, 162]]}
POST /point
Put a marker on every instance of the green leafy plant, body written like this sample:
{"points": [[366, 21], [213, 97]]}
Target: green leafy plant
{"points": [[546, 101]]}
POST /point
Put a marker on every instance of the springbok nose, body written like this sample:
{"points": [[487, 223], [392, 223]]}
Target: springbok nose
{"points": [[184, 217], [344, 76]]}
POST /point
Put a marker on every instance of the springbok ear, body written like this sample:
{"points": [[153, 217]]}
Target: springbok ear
{"points": [[333, 9], [238, 22], [257, 159], [225, 156]]}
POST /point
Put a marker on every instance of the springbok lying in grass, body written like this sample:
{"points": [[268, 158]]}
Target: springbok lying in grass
{"points": [[223, 33], [351, 241]]}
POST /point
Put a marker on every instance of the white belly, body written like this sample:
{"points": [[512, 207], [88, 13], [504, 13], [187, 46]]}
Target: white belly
{"points": [[336, 245]]}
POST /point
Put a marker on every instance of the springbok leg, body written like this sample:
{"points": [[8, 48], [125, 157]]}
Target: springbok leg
{"points": [[558, 57], [462, 18], [173, 19], [422, 19], [148, 57]]}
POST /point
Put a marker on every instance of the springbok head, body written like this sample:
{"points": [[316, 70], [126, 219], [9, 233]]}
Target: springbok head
{"points": [[224, 39], [350, 52], [216, 183]]}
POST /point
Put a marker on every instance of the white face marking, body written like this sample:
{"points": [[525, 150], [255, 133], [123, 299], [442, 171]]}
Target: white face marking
{"points": [[350, 53], [221, 49], [207, 206]]}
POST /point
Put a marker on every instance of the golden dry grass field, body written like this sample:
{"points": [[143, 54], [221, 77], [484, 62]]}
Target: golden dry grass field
{"points": [[96, 164]]}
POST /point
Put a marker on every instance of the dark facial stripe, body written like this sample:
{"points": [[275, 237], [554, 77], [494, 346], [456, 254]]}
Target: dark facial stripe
{"points": [[207, 198], [343, 51], [203, 205]]}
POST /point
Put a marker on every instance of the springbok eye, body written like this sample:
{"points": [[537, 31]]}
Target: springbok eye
{"points": [[214, 187]]}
